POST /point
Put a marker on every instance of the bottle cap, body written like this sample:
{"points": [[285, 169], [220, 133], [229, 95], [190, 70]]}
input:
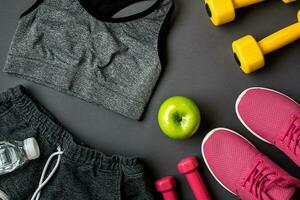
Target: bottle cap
{"points": [[31, 148]]}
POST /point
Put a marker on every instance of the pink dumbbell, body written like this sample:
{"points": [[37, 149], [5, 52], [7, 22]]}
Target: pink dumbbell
{"points": [[166, 186], [188, 167]]}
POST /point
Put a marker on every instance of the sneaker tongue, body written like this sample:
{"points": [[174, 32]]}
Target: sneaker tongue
{"points": [[278, 192]]}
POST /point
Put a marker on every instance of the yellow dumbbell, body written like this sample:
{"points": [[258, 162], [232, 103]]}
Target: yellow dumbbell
{"points": [[223, 11], [250, 54]]}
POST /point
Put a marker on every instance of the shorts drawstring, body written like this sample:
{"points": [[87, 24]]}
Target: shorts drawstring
{"points": [[3, 196], [43, 182]]}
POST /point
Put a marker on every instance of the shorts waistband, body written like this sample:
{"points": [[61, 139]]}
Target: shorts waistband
{"points": [[50, 129]]}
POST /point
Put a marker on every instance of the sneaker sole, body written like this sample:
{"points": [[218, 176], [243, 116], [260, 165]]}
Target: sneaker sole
{"points": [[202, 146], [240, 118]]}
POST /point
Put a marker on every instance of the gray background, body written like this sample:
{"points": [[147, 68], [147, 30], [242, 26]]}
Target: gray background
{"points": [[200, 65]]}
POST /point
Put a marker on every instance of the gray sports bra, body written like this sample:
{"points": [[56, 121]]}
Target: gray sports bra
{"points": [[78, 48]]}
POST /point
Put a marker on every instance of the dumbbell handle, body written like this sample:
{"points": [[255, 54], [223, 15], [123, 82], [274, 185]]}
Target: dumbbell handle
{"points": [[280, 38], [197, 185], [244, 3], [170, 195]]}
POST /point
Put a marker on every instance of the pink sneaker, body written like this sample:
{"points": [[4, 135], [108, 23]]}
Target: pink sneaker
{"points": [[245, 172], [273, 117]]}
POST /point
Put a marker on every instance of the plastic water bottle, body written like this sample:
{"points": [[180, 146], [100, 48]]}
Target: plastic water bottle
{"points": [[14, 154]]}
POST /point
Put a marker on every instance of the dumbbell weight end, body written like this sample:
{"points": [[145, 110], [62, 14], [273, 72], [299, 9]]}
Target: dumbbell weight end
{"points": [[188, 167], [249, 53], [167, 186], [223, 11]]}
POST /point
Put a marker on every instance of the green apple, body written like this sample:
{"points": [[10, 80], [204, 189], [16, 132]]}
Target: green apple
{"points": [[179, 117]]}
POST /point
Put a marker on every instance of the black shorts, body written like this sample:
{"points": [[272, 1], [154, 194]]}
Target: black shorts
{"points": [[82, 173]]}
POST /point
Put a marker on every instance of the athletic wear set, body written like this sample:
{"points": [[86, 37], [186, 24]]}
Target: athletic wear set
{"points": [[79, 48]]}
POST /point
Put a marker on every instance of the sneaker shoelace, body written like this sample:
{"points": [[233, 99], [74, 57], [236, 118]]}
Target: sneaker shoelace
{"points": [[292, 137], [260, 180]]}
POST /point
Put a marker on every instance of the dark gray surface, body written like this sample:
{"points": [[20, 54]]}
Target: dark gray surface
{"points": [[199, 65]]}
